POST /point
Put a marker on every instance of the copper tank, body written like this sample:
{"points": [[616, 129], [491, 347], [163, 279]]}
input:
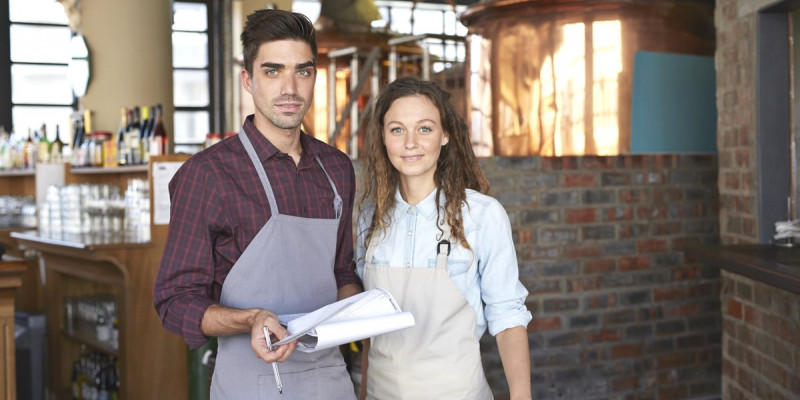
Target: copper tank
{"points": [[538, 68]]}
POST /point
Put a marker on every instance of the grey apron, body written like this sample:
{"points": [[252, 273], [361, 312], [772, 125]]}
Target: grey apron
{"points": [[447, 366], [287, 268]]}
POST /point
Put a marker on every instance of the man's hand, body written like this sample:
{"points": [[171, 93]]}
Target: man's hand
{"points": [[259, 343]]}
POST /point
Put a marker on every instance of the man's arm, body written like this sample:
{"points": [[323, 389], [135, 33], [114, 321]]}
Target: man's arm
{"points": [[223, 321], [348, 290]]}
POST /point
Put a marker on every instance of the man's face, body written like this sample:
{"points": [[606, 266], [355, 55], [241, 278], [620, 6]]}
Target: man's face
{"points": [[282, 84]]}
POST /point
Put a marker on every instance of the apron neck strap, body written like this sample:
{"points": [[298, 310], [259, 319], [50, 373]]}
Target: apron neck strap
{"points": [[337, 199], [251, 151], [262, 174]]}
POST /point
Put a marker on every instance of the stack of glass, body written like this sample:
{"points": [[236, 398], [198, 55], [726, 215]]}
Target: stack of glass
{"points": [[17, 212], [137, 210], [82, 209]]}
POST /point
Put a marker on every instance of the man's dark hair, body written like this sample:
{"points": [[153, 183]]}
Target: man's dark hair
{"points": [[272, 25]]}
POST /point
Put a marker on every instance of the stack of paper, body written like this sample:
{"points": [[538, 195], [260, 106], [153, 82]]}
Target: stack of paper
{"points": [[364, 315]]}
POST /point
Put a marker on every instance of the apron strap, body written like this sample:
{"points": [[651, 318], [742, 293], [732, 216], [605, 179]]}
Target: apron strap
{"points": [[337, 199], [443, 247], [251, 151], [338, 204]]}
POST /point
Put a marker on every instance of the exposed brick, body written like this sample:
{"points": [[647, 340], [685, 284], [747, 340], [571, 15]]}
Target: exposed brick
{"points": [[580, 180], [735, 309], [551, 305], [626, 351], [633, 263], [616, 179], [619, 317], [580, 215], [615, 214], [596, 266], [744, 290], [668, 294], [633, 230], [670, 327], [583, 321], [651, 245], [606, 335], [545, 324], [752, 316], [567, 339], [598, 232]]}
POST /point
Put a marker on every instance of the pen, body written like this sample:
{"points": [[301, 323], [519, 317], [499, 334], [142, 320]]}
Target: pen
{"points": [[274, 363]]}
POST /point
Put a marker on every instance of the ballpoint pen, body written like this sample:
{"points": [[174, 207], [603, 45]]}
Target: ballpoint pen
{"points": [[274, 363]]}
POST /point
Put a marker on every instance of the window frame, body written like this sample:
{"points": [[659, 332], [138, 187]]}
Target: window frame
{"points": [[6, 101], [215, 49]]}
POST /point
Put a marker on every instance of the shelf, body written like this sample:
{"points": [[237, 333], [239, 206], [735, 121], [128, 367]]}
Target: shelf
{"points": [[18, 172], [129, 169], [87, 337], [82, 241]]}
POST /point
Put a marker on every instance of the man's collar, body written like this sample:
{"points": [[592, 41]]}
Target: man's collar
{"points": [[265, 149]]}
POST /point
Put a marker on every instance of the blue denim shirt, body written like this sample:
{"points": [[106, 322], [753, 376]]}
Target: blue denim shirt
{"points": [[489, 280]]}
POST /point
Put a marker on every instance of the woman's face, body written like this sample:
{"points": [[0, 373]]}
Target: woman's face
{"points": [[413, 135]]}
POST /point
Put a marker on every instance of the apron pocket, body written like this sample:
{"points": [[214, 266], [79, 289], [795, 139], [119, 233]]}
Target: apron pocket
{"points": [[326, 383]]}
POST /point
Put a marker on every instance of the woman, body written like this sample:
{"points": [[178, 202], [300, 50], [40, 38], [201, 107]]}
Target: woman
{"points": [[458, 277]]}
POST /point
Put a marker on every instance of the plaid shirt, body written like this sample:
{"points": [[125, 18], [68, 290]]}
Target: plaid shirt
{"points": [[218, 205]]}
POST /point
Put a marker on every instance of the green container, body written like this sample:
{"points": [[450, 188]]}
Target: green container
{"points": [[201, 367]]}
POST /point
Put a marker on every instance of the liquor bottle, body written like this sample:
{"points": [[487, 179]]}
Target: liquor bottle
{"points": [[56, 147], [159, 141], [29, 151], [134, 145], [148, 122], [5, 149], [43, 146], [78, 152], [122, 148]]}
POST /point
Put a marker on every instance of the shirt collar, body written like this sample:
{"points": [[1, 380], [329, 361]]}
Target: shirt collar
{"points": [[426, 207], [266, 150]]}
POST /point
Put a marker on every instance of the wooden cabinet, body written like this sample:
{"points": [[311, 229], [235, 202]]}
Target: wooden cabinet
{"points": [[11, 272], [152, 363]]}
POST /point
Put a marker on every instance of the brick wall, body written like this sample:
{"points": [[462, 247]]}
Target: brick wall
{"points": [[760, 359], [618, 314], [761, 340], [735, 62]]}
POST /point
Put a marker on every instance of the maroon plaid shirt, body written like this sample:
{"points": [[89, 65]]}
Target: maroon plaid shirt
{"points": [[218, 205]]}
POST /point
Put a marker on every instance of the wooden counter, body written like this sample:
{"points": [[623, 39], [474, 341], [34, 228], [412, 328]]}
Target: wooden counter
{"points": [[773, 265], [11, 272], [152, 362]]}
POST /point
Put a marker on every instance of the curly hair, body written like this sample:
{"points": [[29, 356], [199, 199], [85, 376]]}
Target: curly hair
{"points": [[457, 168]]}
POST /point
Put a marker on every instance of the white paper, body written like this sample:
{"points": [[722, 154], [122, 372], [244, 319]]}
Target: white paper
{"points": [[364, 315], [162, 174]]}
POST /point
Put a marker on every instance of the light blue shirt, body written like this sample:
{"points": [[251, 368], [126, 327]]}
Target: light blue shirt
{"points": [[489, 282]]}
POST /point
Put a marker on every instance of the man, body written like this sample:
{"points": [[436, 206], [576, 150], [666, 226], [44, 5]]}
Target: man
{"points": [[260, 226]]}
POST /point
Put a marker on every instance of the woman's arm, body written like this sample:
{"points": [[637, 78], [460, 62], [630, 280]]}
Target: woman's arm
{"points": [[513, 346]]}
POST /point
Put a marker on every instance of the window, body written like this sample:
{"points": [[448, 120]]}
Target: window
{"points": [[191, 75], [34, 86]]}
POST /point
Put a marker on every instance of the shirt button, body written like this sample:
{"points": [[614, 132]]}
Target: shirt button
{"points": [[408, 265], [410, 233]]}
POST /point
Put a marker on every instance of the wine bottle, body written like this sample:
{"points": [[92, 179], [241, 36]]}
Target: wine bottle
{"points": [[122, 148], [56, 147], [144, 133], [159, 142], [43, 147], [133, 137]]}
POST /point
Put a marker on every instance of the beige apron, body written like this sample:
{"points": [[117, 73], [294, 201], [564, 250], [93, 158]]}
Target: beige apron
{"points": [[439, 357]]}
